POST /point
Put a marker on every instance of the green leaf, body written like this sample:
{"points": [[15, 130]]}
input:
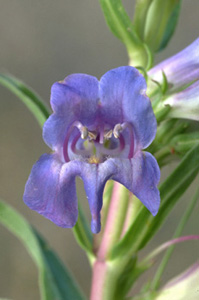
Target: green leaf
{"points": [[27, 96], [161, 21], [63, 280], [145, 225], [121, 25], [55, 281]]}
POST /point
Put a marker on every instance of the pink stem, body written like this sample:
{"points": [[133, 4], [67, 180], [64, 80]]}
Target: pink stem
{"points": [[98, 280], [104, 275], [110, 231]]}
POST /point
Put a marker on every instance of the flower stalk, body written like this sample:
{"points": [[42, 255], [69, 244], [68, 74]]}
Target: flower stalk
{"points": [[105, 270]]}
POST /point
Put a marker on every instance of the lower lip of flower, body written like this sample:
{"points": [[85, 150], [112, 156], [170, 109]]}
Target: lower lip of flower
{"points": [[95, 146]]}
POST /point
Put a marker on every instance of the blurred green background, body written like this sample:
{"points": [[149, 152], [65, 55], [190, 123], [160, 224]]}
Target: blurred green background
{"points": [[42, 42]]}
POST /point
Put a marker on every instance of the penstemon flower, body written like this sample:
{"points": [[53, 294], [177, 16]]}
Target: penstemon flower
{"points": [[182, 75], [97, 131], [180, 69]]}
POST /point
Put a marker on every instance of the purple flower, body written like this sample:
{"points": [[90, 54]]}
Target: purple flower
{"points": [[179, 69], [97, 132]]}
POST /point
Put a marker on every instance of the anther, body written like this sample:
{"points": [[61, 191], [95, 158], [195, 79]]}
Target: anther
{"points": [[92, 135], [83, 130], [108, 134], [117, 130]]}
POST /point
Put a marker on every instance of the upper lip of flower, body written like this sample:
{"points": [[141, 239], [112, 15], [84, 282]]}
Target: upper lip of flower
{"points": [[97, 132]]}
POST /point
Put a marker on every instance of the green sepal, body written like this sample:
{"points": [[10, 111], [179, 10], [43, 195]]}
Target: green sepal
{"points": [[27, 96], [161, 22], [145, 225], [161, 111], [184, 142], [121, 26], [140, 14], [171, 25], [55, 281]]}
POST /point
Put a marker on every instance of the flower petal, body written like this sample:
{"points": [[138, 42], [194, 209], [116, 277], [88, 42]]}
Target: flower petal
{"points": [[179, 69], [141, 176], [95, 177], [51, 191], [185, 104], [76, 98], [123, 99]]}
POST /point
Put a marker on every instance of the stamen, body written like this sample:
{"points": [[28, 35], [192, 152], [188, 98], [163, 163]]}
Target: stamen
{"points": [[83, 130], [92, 135], [108, 134], [117, 131], [74, 142], [84, 133], [98, 152]]}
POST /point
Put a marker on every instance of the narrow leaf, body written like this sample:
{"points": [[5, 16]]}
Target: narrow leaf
{"points": [[55, 281], [27, 96], [63, 280]]}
